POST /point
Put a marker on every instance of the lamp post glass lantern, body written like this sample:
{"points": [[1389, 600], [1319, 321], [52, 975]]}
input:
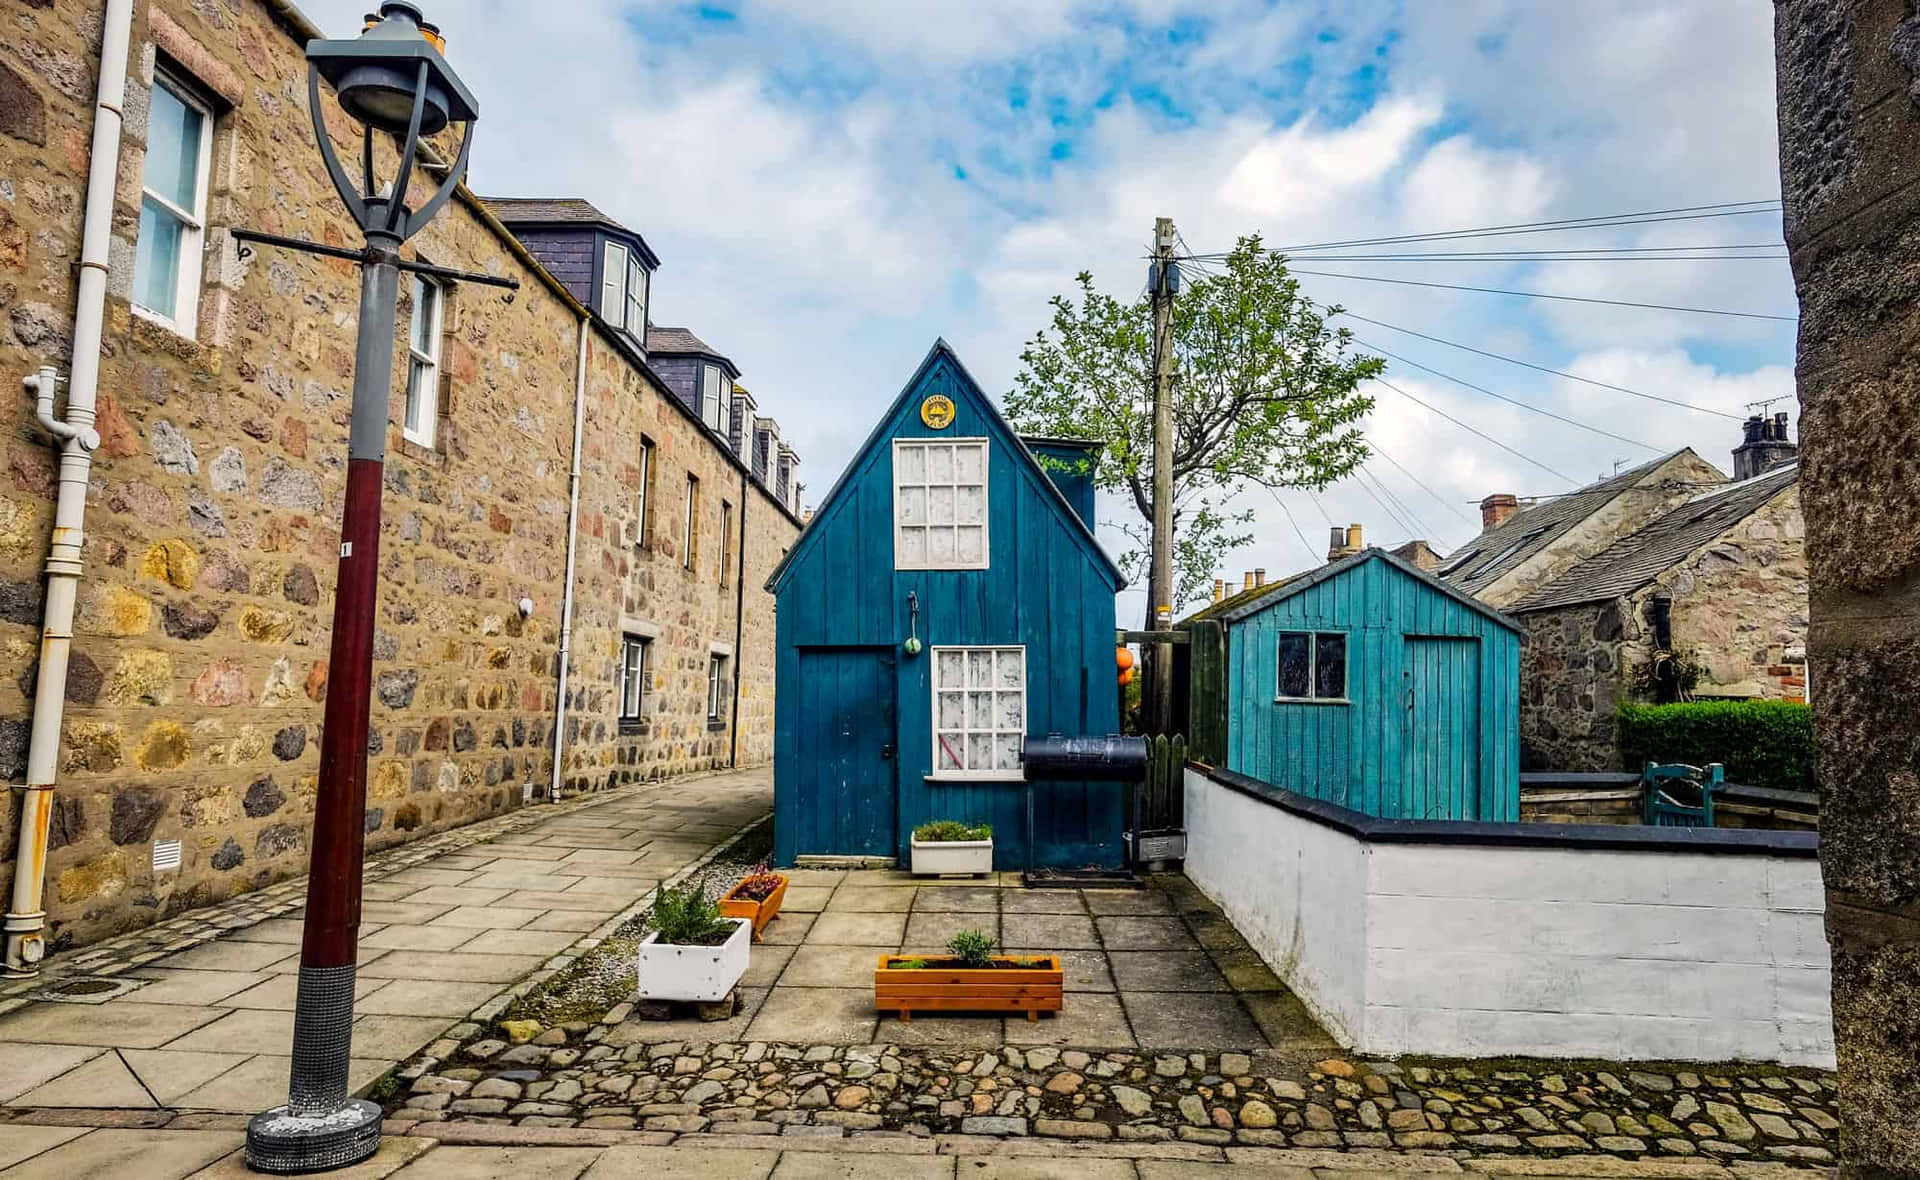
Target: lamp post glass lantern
{"points": [[392, 81]]}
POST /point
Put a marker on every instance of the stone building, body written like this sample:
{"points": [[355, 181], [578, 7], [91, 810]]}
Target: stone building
{"points": [[200, 653], [1522, 547], [1709, 599]]}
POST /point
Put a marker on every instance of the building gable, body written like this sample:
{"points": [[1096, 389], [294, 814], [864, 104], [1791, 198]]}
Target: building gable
{"points": [[1280, 592], [942, 374]]}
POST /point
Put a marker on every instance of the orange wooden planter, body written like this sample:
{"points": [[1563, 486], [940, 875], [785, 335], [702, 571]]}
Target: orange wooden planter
{"points": [[1032, 990], [760, 912]]}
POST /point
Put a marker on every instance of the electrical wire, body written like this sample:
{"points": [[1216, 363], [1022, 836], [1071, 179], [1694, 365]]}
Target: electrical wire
{"points": [[1426, 530], [1421, 484], [1399, 522], [1321, 507], [1509, 400], [1570, 257], [1478, 433], [1312, 553], [1601, 221], [1652, 397], [1745, 315]]}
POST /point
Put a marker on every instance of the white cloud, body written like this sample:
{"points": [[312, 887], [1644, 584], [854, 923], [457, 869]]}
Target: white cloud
{"points": [[1304, 168]]}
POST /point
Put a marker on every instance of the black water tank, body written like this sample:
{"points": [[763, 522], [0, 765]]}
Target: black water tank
{"points": [[1099, 759]]}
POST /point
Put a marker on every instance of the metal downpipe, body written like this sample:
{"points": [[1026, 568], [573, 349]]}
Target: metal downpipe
{"points": [[573, 547]]}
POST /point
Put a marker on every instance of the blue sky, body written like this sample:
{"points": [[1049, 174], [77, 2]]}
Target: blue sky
{"points": [[832, 183]]}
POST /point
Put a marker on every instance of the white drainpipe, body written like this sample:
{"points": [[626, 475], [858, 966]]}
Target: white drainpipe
{"points": [[573, 544], [26, 919]]}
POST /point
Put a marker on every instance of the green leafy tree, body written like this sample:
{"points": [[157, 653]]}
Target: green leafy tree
{"points": [[1265, 394]]}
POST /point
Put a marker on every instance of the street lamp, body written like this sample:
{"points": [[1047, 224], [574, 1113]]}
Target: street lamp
{"points": [[392, 80]]}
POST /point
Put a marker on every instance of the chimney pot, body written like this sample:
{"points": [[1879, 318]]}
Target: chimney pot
{"points": [[1219, 589], [1354, 539], [1259, 577], [1246, 580], [1497, 509]]}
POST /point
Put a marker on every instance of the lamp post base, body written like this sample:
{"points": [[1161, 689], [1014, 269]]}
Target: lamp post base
{"points": [[284, 1143]]}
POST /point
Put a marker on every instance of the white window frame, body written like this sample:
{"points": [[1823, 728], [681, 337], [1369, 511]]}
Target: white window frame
{"points": [[613, 285], [636, 305], [726, 542], [993, 731], [634, 676], [691, 532], [784, 478], [185, 316], [716, 390], [716, 688], [1313, 667], [426, 364]]}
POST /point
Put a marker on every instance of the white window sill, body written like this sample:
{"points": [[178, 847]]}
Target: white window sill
{"points": [[984, 776], [1312, 701], [922, 568]]}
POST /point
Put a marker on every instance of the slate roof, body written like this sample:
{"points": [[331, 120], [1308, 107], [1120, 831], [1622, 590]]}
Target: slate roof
{"points": [[1494, 552], [677, 340], [548, 211], [1249, 602], [1640, 557], [1241, 597]]}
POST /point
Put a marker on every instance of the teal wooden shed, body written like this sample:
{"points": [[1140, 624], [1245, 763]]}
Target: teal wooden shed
{"points": [[1371, 684], [947, 600]]}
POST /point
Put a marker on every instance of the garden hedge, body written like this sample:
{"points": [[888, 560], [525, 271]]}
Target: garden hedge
{"points": [[1761, 743]]}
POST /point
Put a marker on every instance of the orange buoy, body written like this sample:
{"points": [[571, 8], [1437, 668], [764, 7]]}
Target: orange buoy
{"points": [[1123, 656]]}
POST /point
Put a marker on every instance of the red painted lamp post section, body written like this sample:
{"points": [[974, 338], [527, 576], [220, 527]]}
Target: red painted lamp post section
{"points": [[392, 80]]}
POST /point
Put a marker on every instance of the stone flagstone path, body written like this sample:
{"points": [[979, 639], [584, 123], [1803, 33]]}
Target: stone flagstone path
{"points": [[444, 935]]}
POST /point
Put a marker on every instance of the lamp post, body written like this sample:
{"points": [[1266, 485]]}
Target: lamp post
{"points": [[393, 81]]}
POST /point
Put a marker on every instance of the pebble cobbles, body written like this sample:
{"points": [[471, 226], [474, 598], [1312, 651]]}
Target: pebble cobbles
{"points": [[588, 1076]]}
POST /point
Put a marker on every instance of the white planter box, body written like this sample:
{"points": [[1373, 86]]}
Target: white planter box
{"points": [[704, 973], [939, 858]]}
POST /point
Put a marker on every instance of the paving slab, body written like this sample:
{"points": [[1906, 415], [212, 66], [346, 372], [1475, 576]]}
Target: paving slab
{"points": [[396, 1151], [393, 1037], [666, 1163], [1086, 971], [22, 1141], [229, 955], [26, 1065], [1162, 971], [834, 966], [280, 991], [805, 899], [465, 967], [170, 1073], [487, 917], [1191, 1020], [241, 1030], [1053, 932], [119, 1023], [424, 997], [1128, 901], [261, 1081], [1042, 901], [871, 901], [103, 1082], [282, 930], [115, 1154], [975, 899], [524, 941], [858, 929], [990, 1167], [1144, 934], [929, 931], [491, 1163], [822, 1165], [1088, 1020], [816, 1016], [194, 988], [419, 938]]}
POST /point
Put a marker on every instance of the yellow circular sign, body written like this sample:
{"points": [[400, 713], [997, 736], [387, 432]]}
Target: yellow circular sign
{"points": [[937, 411]]}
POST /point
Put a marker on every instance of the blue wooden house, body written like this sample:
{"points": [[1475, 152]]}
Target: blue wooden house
{"points": [[1373, 685], [947, 600]]}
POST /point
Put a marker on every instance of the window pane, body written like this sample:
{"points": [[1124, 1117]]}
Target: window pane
{"points": [[939, 464], [1006, 752], [953, 712], [173, 149], [425, 296], [969, 461], [940, 505], [913, 546], [1330, 665], [1008, 712], [948, 749], [913, 505], [979, 751], [970, 546], [1013, 669], [940, 547], [613, 291], [980, 669], [979, 710], [156, 265], [1294, 681], [952, 669], [636, 297], [970, 504], [912, 465]]}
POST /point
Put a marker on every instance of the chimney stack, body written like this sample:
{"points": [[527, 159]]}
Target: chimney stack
{"points": [[1343, 542], [1764, 445], [1246, 580], [1259, 577], [1219, 589], [1497, 509]]}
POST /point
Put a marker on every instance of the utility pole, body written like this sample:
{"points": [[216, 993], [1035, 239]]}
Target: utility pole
{"points": [[1165, 280]]}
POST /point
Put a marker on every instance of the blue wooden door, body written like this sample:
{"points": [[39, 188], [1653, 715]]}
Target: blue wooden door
{"points": [[1440, 743], [846, 748]]}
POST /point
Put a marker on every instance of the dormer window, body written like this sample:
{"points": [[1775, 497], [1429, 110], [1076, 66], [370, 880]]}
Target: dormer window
{"points": [[623, 290], [716, 390]]}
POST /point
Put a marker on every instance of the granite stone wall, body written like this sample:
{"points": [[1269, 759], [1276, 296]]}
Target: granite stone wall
{"points": [[200, 659], [1847, 78], [1739, 613]]}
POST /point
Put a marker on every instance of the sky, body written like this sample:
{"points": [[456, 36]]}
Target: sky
{"points": [[832, 184]]}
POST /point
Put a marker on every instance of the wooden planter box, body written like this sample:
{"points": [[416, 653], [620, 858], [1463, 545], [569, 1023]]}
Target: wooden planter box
{"points": [[1032, 990], [759, 912]]}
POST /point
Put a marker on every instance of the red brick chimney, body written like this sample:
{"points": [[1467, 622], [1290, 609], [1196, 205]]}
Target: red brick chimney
{"points": [[1497, 509]]}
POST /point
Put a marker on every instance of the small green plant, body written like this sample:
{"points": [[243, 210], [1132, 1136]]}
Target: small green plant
{"points": [[974, 948], [907, 965], [686, 916], [948, 831]]}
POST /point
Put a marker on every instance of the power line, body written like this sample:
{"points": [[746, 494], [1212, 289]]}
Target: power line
{"points": [[1601, 221], [1312, 553], [1422, 528], [1509, 400], [1493, 256], [1747, 315], [1421, 484], [1479, 433], [1652, 397], [1392, 515], [1322, 507]]}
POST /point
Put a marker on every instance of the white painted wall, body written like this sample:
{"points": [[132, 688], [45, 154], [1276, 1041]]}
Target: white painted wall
{"points": [[1473, 950]]}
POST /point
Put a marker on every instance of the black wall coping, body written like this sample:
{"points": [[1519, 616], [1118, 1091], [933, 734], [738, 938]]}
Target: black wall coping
{"points": [[1579, 837]]}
